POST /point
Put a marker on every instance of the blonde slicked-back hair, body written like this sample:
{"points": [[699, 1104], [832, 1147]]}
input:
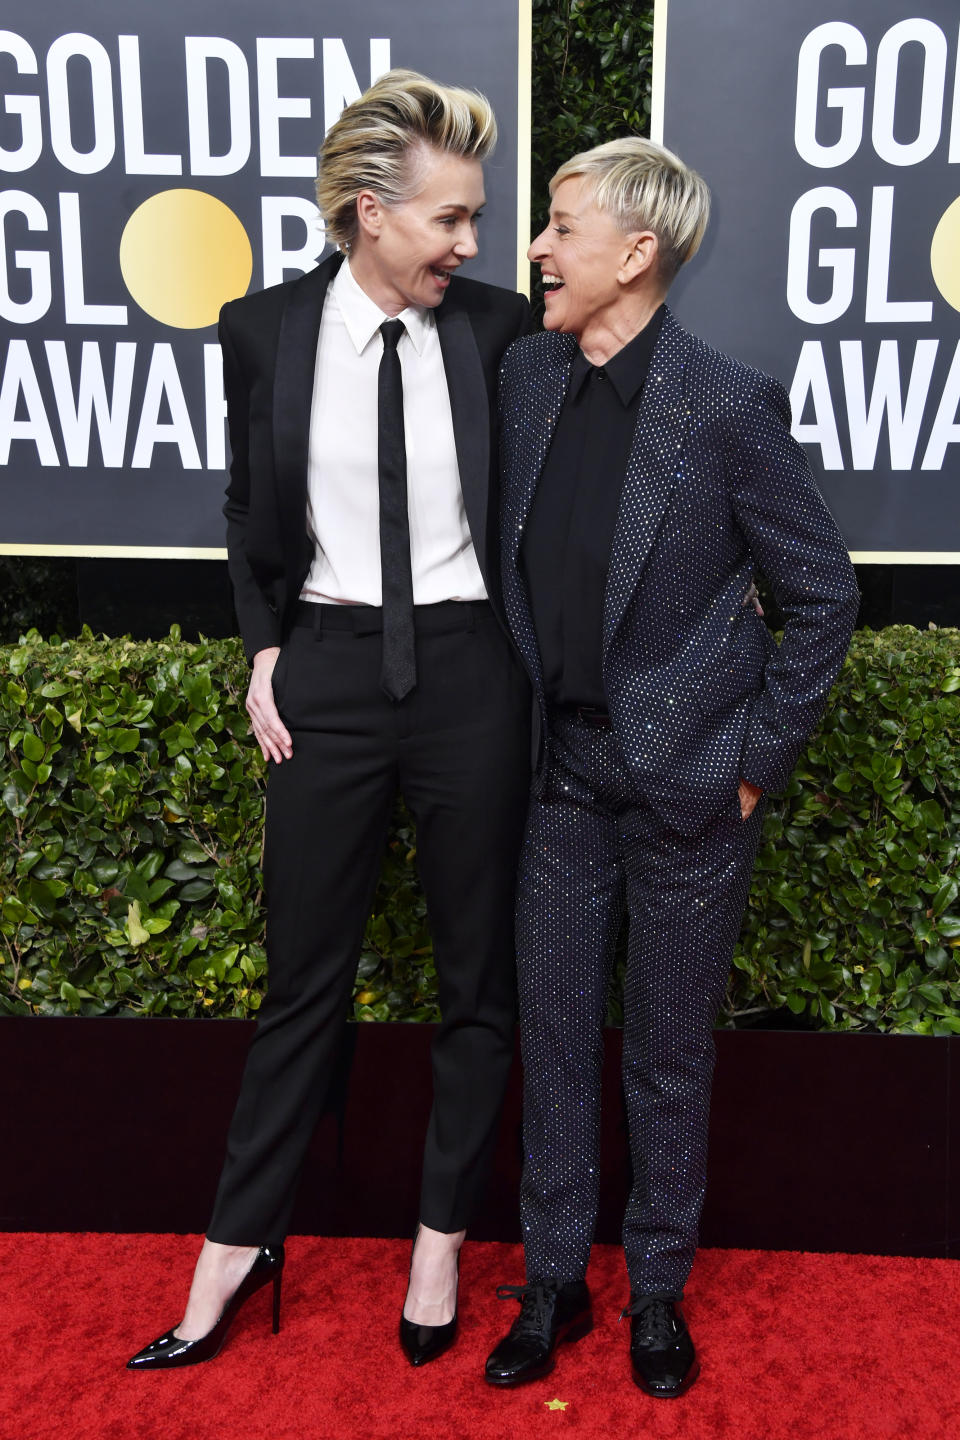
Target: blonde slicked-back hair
{"points": [[644, 186], [379, 140]]}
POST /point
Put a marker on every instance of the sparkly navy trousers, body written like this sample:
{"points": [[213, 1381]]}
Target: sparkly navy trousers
{"points": [[591, 848]]}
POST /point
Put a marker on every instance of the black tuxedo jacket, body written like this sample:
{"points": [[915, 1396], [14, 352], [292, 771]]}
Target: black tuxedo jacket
{"points": [[698, 692], [269, 342]]}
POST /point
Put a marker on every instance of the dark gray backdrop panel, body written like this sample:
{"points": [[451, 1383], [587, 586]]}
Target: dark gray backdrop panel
{"points": [[166, 506], [730, 94]]}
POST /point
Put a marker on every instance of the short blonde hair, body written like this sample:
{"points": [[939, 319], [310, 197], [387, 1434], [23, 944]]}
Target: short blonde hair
{"points": [[374, 144], [644, 186]]}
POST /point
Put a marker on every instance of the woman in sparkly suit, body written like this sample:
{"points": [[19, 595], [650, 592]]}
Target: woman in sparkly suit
{"points": [[644, 477]]}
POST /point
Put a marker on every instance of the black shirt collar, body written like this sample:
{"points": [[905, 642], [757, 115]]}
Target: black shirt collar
{"points": [[627, 370]]}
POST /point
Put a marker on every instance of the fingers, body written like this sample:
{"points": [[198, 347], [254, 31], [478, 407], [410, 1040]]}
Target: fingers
{"points": [[752, 597], [748, 795], [271, 734]]}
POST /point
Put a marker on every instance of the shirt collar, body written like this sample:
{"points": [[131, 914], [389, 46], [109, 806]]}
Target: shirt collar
{"points": [[627, 370], [363, 317]]}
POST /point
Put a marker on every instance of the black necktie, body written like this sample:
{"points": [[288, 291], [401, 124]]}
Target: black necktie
{"points": [[398, 670]]}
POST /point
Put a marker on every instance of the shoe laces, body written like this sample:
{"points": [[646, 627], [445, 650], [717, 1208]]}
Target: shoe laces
{"points": [[536, 1305], [657, 1317]]}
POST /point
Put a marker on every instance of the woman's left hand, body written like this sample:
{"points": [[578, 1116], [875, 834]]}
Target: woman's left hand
{"points": [[749, 795], [752, 597]]}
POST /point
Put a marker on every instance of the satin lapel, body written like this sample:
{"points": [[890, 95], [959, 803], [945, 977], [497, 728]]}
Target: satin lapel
{"points": [[293, 397], [653, 469], [466, 385]]}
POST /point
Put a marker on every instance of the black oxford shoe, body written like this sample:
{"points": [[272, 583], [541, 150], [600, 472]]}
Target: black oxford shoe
{"points": [[662, 1356], [549, 1314]]}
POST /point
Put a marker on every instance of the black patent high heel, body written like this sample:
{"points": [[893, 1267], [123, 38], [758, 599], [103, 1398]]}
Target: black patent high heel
{"points": [[169, 1351], [422, 1343]]}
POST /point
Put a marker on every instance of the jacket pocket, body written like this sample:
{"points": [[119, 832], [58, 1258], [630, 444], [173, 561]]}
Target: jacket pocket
{"points": [[737, 669]]}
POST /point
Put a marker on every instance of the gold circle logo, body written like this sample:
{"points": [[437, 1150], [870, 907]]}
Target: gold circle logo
{"points": [[183, 254], [945, 255]]}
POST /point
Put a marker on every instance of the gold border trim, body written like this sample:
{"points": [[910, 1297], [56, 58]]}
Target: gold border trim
{"points": [[199, 552], [120, 552], [657, 99], [524, 141], [905, 557]]}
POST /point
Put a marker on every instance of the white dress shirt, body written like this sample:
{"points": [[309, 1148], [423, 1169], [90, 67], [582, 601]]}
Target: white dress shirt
{"points": [[343, 499]]}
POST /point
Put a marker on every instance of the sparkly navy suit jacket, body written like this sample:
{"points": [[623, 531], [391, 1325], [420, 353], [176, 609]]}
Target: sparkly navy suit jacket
{"points": [[715, 488]]}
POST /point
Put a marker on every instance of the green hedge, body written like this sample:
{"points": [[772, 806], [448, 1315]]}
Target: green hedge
{"points": [[592, 72], [130, 806], [853, 919], [130, 834]]}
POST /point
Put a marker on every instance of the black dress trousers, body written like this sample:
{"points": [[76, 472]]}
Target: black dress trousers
{"points": [[457, 748]]}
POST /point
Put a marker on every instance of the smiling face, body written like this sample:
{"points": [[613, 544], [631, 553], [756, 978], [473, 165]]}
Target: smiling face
{"points": [[589, 266], [405, 254]]}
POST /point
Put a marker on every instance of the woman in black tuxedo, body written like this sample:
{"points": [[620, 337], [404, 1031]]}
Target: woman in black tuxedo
{"points": [[361, 535]]}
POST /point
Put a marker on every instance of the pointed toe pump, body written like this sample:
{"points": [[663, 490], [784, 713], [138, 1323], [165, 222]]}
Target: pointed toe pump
{"points": [[422, 1343], [169, 1351]]}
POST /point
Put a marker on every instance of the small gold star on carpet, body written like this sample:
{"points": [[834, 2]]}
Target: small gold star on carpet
{"points": [[556, 1404]]}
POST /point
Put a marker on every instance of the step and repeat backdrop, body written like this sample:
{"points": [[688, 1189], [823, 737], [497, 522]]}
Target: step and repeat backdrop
{"points": [[829, 133], [156, 161]]}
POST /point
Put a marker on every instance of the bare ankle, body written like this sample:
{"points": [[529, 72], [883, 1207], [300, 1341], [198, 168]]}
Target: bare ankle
{"points": [[439, 1241]]}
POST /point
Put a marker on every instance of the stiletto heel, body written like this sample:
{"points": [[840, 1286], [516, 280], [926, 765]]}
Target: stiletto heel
{"points": [[421, 1343], [169, 1351]]}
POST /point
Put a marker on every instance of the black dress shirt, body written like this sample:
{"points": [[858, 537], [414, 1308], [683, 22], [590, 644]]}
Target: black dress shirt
{"points": [[566, 547]]}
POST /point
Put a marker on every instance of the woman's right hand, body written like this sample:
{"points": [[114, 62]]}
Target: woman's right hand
{"points": [[270, 731]]}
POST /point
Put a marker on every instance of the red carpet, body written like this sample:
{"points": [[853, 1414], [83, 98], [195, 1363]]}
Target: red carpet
{"points": [[794, 1347]]}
